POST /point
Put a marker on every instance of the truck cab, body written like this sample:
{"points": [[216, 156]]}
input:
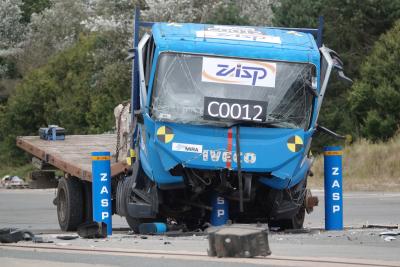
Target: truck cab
{"points": [[226, 110]]}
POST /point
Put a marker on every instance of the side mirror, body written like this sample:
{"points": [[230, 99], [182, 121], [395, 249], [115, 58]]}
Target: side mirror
{"points": [[338, 66], [343, 77], [329, 132]]}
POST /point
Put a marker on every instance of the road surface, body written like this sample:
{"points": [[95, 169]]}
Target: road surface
{"points": [[33, 209]]}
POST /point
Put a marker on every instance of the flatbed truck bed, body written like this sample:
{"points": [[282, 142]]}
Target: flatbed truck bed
{"points": [[73, 155]]}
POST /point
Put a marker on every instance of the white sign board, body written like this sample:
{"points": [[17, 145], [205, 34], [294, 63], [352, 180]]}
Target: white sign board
{"points": [[238, 71], [237, 33], [187, 148]]}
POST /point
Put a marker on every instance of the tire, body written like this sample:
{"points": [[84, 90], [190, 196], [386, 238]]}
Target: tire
{"points": [[87, 202], [140, 181], [69, 203], [296, 222]]}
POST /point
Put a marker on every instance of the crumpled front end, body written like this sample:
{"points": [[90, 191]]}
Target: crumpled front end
{"points": [[277, 156]]}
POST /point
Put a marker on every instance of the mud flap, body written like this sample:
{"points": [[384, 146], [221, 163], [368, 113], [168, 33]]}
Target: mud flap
{"points": [[140, 195]]}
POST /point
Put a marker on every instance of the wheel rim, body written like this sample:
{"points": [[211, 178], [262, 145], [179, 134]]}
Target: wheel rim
{"points": [[62, 205]]}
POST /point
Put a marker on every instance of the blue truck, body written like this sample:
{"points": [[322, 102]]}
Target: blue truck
{"points": [[226, 111]]}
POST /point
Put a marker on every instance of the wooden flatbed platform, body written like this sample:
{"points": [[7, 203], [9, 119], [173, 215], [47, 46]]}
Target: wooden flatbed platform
{"points": [[73, 155]]}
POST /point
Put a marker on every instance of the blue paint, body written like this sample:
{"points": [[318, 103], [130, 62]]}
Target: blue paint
{"points": [[220, 210], [161, 227], [101, 189], [269, 144], [300, 47], [333, 188], [152, 228]]}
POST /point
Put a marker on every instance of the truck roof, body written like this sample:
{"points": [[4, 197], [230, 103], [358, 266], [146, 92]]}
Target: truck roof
{"points": [[236, 41]]}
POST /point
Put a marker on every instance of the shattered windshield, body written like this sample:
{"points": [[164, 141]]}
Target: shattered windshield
{"points": [[199, 89]]}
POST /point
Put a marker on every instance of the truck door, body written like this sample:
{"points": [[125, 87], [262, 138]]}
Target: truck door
{"points": [[146, 49], [330, 61], [326, 69]]}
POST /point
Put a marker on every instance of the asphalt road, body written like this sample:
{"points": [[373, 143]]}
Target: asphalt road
{"points": [[33, 209]]}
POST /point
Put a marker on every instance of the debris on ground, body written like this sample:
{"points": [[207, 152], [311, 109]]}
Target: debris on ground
{"points": [[152, 228], [239, 241], [14, 235], [389, 238], [297, 231], [92, 230], [62, 244], [13, 182], [389, 233], [184, 234], [67, 237], [381, 226]]}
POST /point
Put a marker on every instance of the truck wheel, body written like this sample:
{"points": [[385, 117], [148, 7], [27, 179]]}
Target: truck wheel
{"points": [[87, 202], [296, 222], [139, 180], [69, 203]]}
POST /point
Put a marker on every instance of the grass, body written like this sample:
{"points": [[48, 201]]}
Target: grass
{"points": [[21, 171], [366, 167]]}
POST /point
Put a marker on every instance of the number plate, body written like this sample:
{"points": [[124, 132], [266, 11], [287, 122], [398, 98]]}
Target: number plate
{"points": [[234, 109]]}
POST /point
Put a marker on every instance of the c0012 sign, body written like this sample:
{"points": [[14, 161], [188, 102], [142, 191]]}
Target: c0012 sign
{"points": [[234, 109]]}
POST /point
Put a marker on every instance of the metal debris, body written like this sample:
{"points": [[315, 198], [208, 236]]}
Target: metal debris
{"points": [[240, 241], [12, 182], [389, 238], [62, 244], [67, 237], [298, 231], [381, 226], [389, 233], [310, 201]]}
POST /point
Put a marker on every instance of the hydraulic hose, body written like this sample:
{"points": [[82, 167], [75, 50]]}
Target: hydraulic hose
{"points": [[239, 168]]}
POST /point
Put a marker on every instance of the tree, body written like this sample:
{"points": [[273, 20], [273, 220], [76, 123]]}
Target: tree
{"points": [[375, 96], [351, 29], [227, 14], [11, 28], [12, 33], [30, 7], [251, 12], [51, 31], [177, 10], [77, 89], [259, 13]]}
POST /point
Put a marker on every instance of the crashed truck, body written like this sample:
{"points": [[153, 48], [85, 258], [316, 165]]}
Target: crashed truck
{"points": [[215, 110]]}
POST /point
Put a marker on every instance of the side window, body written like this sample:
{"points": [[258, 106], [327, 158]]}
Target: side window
{"points": [[148, 55]]}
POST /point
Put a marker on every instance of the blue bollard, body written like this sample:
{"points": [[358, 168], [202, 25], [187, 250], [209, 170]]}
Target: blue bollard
{"points": [[333, 188], [101, 189], [220, 210]]}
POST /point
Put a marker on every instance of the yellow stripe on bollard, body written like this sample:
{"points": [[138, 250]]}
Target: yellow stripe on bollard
{"points": [[333, 153], [101, 157]]}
